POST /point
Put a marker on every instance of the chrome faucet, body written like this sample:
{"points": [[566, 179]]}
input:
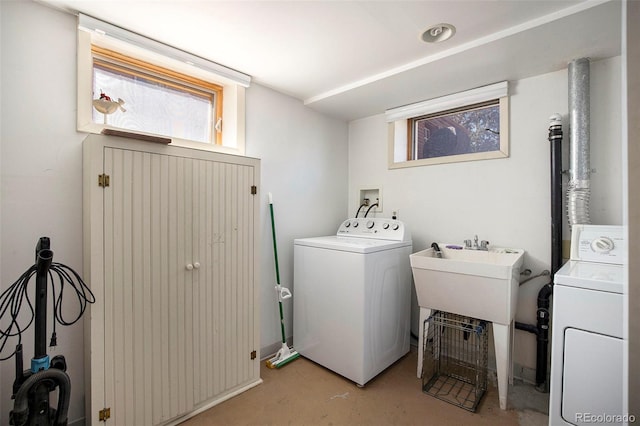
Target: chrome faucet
{"points": [[484, 244]]}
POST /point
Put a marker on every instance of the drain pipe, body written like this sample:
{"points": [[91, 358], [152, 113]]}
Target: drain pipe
{"points": [[555, 139], [543, 314]]}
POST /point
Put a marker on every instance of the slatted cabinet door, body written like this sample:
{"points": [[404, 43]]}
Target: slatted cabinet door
{"points": [[222, 246], [179, 307]]}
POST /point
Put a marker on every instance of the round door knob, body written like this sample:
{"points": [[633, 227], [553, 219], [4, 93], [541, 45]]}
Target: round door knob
{"points": [[189, 267], [196, 265]]}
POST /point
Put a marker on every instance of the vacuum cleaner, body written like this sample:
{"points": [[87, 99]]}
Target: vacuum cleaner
{"points": [[32, 387]]}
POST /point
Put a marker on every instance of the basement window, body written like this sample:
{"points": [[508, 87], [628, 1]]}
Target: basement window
{"points": [[466, 126], [155, 100], [132, 83], [466, 130]]}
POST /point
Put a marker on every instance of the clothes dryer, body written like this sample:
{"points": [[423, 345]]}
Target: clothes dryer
{"points": [[587, 347]]}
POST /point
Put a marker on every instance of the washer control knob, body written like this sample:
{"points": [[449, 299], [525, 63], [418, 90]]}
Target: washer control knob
{"points": [[355, 224], [395, 227], [602, 245], [385, 226], [347, 224], [370, 224]]}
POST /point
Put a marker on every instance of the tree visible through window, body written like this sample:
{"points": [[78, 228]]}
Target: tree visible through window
{"points": [[462, 131]]}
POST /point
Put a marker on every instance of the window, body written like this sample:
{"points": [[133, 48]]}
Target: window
{"points": [[461, 131], [466, 126], [148, 87], [156, 100]]}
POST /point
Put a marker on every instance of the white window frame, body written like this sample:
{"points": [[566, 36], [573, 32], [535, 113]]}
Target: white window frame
{"points": [[398, 130], [99, 33]]}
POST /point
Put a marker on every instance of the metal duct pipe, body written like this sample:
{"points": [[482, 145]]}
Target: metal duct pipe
{"points": [[579, 187]]}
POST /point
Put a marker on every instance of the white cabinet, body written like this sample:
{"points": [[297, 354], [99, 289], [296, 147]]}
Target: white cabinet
{"points": [[171, 253]]}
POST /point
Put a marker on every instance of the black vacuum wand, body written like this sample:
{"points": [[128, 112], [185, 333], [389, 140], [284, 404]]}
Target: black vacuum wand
{"points": [[32, 387]]}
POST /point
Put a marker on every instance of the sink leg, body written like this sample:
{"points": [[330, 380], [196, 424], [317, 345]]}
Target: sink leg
{"points": [[424, 314], [501, 341]]}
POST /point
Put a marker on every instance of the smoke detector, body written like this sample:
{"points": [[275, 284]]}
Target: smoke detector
{"points": [[437, 33]]}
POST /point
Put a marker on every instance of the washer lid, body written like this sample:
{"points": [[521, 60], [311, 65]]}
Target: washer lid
{"points": [[591, 276], [350, 244]]}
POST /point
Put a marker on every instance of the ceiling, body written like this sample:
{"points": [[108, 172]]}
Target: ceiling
{"points": [[353, 59]]}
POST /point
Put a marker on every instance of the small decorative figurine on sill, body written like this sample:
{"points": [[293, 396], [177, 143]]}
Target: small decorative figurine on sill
{"points": [[106, 106]]}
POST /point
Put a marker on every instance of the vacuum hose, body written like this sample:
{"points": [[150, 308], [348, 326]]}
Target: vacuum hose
{"points": [[20, 413], [44, 257]]}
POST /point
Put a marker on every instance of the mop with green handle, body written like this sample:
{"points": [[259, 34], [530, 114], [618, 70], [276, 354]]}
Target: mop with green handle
{"points": [[285, 354]]}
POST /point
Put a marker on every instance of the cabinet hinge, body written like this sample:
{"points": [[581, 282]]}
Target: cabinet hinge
{"points": [[103, 180], [253, 354], [104, 414], [254, 190]]}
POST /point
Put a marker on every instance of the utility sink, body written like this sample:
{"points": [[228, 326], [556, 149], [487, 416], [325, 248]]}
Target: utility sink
{"points": [[476, 283]]}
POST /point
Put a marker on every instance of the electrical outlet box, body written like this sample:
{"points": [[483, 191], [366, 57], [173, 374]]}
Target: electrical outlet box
{"points": [[374, 195]]}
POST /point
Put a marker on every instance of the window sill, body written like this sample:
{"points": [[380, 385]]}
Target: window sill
{"points": [[94, 128]]}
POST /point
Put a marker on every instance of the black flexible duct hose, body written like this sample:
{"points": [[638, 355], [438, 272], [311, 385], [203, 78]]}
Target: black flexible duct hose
{"points": [[20, 413]]}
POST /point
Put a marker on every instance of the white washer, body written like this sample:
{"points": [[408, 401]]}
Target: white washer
{"points": [[352, 297], [586, 350]]}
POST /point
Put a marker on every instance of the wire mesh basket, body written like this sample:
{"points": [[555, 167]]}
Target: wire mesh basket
{"points": [[454, 366]]}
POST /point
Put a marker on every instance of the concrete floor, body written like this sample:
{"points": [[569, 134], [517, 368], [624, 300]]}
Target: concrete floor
{"points": [[304, 393]]}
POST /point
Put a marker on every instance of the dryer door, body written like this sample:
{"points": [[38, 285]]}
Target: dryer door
{"points": [[592, 378]]}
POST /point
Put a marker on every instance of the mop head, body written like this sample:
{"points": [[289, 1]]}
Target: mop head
{"points": [[284, 356]]}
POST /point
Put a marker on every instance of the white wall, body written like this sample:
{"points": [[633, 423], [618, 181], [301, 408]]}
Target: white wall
{"points": [[505, 201], [41, 163], [303, 164]]}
